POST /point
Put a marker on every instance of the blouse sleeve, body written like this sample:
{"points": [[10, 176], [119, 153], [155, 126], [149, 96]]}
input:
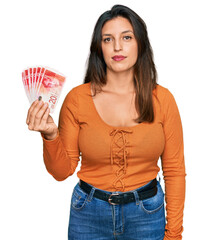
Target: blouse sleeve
{"points": [[173, 166], [61, 155]]}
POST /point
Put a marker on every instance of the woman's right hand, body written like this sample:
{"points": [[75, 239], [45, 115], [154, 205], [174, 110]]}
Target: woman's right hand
{"points": [[38, 119]]}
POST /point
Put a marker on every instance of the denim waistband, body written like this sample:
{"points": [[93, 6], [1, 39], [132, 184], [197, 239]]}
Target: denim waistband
{"points": [[110, 192]]}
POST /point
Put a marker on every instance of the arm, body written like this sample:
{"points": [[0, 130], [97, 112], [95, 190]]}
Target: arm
{"points": [[173, 166], [61, 155]]}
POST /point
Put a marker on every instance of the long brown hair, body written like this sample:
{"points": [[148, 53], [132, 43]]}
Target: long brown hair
{"points": [[145, 74]]}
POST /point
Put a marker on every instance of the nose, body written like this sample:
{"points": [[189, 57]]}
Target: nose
{"points": [[117, 45]]}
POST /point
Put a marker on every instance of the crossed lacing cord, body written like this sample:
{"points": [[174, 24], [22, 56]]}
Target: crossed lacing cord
{"points": [[122, 161]]}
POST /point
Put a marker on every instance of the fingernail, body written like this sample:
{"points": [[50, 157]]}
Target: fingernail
{"points": [[39, 98]]}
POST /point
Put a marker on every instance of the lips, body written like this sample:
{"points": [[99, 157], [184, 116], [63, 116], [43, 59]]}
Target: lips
{"points": [[118, 57]]}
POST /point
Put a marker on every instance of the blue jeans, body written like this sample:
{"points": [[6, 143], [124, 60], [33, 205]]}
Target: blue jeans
{"points": [[95, 219]]}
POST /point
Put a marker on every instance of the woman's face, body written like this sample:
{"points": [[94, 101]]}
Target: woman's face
{"points": [[118, 40]]}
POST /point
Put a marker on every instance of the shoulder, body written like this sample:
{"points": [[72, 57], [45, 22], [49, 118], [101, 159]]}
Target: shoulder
{"points": [[168, 103], [163, 94], [78, 90], [165, 100]]}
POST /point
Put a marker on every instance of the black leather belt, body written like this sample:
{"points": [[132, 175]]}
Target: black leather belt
{"points": [[121, 198]]}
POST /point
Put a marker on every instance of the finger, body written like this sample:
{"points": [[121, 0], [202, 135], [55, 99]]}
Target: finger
{"points": [[30, 109], [39, 116], [44, 119], [33, 114]]}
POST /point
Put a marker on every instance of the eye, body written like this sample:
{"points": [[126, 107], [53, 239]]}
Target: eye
{"points": [[128, 37], [106, 39]]}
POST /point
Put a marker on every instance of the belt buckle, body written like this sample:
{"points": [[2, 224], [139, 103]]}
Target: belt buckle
{"points": [[109, 199]]}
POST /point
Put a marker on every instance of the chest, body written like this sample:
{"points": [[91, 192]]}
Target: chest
{"points": [[116, 110]]}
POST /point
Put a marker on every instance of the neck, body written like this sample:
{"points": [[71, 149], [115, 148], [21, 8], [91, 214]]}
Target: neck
{"points": [[119, 82]]}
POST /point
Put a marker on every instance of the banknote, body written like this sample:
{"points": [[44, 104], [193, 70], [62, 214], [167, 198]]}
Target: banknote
{"points": [[26, 85], [50, 87], [45, 82]]}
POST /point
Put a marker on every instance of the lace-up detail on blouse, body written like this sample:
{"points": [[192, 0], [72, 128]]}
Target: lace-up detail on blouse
{"points": [[119, 157]]}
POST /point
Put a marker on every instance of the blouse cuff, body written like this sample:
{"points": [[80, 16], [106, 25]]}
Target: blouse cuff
{"points": [[50, 141]]}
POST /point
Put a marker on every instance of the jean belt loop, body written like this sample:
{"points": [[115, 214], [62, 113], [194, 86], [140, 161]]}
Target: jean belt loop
{"points": [[136, 195], [90, 196]]}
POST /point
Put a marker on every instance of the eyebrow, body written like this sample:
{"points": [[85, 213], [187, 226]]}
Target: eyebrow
{"points": [[108, 34]]}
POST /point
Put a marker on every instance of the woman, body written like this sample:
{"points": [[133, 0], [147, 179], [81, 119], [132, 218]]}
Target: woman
{"points": [[120, 121]]}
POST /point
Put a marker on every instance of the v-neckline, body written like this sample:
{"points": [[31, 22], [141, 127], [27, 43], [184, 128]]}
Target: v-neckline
{"points": [[99, 117]]}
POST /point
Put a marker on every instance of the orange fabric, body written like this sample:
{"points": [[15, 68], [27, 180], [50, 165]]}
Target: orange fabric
{"points": [[121, 158]]}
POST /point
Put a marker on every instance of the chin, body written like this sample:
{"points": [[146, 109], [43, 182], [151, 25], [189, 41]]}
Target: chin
{"points": [[121, 69]]}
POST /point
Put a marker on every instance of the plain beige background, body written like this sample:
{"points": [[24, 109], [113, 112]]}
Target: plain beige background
{"points": [[57, 34]]}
